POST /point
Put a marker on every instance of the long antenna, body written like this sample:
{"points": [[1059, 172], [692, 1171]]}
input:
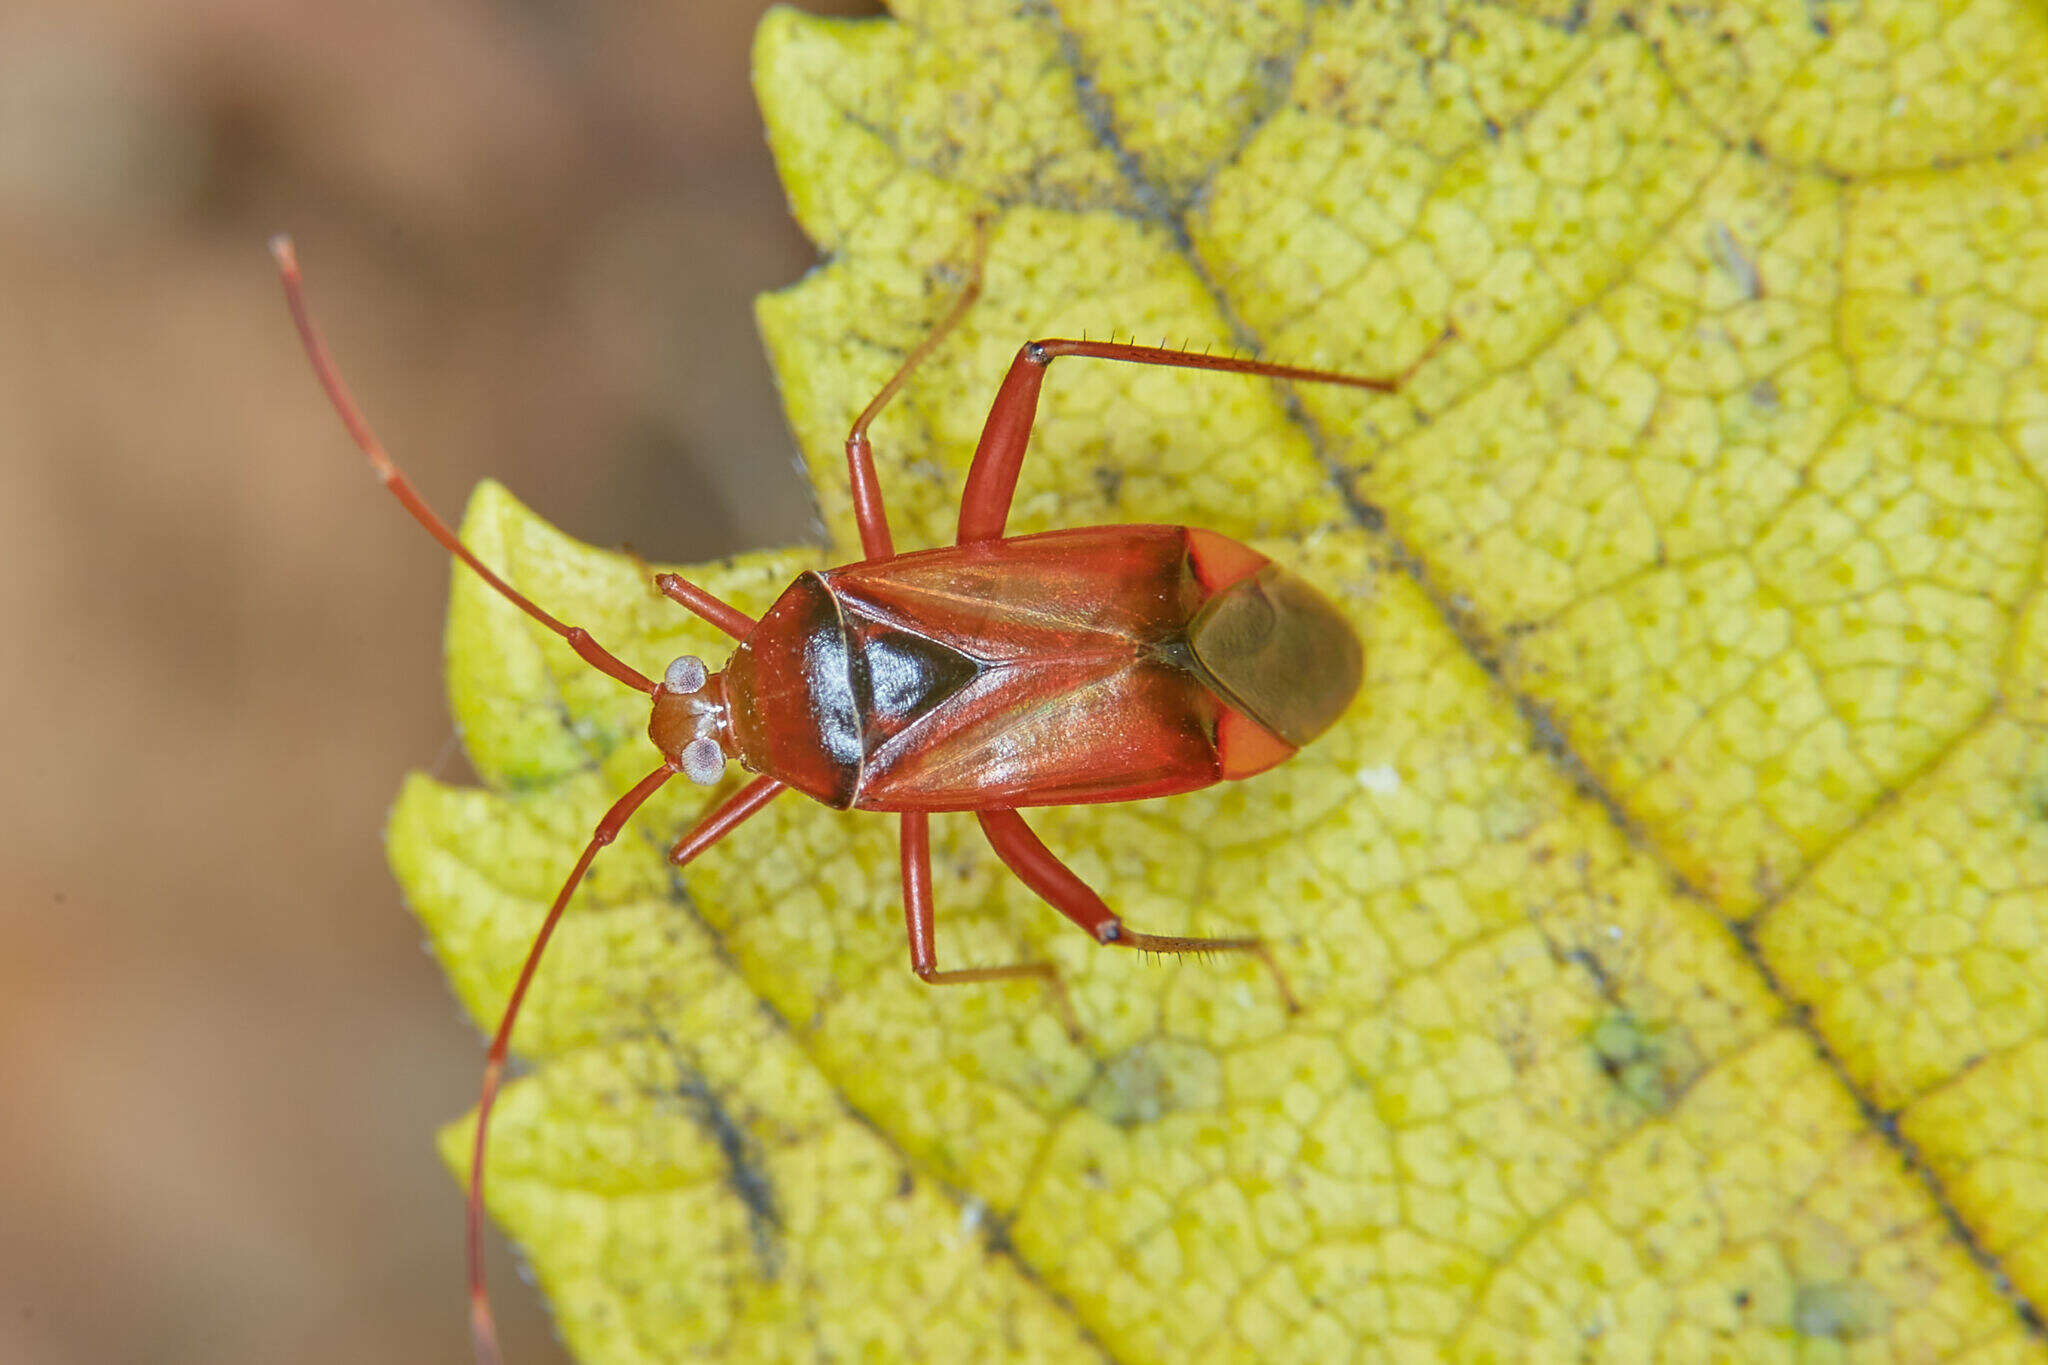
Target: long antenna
{"points": [[593, 653]]}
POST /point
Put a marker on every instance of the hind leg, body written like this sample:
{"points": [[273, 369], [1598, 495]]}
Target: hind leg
{"points": [[1035, 866]]}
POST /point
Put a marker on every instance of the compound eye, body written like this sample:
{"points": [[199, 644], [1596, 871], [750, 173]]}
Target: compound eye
{"points": [[685, 675], [703, 762]]}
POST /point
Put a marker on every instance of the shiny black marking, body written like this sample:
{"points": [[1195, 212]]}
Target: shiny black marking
{"points": [[834, 705], [899, 676]]}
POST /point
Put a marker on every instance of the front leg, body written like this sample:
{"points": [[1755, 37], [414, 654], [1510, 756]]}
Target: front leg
{"points": [[992, 481]]}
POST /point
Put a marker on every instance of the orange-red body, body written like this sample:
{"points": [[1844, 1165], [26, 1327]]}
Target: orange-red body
{"points": [[1042, 670]]}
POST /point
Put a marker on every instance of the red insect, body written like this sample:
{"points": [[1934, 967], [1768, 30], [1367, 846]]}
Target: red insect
{"points": [[1109, 663]]}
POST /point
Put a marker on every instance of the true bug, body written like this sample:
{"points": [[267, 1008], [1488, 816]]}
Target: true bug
{"points": [[1108, 663]]}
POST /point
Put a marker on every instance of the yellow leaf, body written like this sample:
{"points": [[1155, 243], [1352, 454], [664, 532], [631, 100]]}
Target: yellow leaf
{"points": [[1670, 911]]}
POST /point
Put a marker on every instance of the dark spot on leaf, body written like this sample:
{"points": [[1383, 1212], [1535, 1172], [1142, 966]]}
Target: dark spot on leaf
{"points": [[1155, 1079], [1846, 1310], [1638, 1057], [746, 1173], [1110, 480], [2035, 800]]}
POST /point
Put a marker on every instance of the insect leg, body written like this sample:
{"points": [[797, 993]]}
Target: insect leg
{"points": [[992, 479], [875, 541], [698, 601], [719, 613], [726, 816], [1035, 866], [917, 916]]}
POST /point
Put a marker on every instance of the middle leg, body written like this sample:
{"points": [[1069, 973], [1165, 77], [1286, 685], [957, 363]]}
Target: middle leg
{"points": [[917, 916], [868, 512]]}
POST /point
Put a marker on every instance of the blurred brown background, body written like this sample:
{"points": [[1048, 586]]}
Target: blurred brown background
{"points": [[532, 231]]}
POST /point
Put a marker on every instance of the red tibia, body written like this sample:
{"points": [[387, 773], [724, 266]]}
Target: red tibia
{"points": [[915, 845]]}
